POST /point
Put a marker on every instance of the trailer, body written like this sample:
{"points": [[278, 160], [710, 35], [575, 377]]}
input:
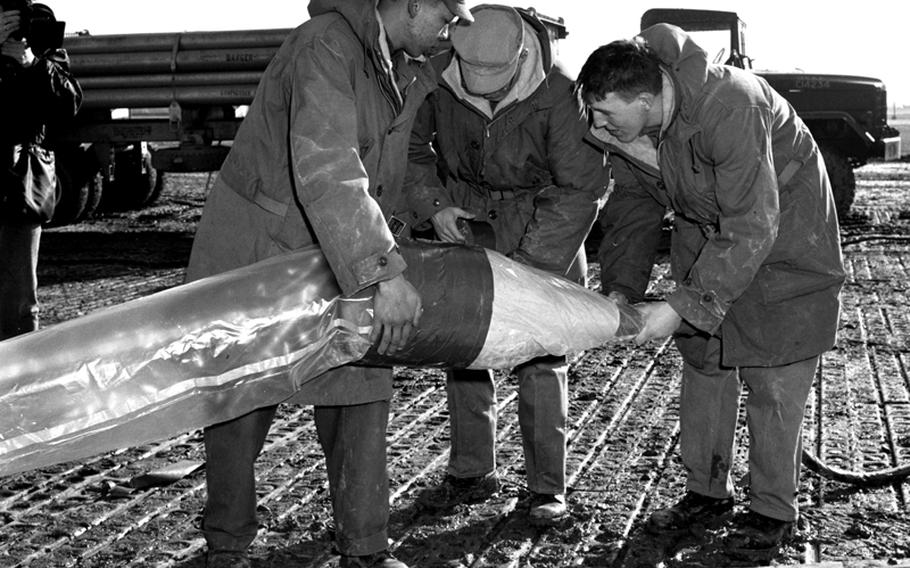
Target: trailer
{"points": [[159, 103], [153, 103]]}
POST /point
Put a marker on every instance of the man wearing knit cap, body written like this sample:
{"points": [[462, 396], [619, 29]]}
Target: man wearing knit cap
{"points": [[510, 153]]}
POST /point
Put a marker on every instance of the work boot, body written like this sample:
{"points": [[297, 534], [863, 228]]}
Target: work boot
{"points": [[227, 559], [757, 537], [455, 491], [547, 510], [692, 509], [382, 559]]}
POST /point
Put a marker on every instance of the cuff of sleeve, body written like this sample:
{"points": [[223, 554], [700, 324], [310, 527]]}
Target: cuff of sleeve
{"points": [[376, 268], [700, 308], [424, 210], [631, 322]]}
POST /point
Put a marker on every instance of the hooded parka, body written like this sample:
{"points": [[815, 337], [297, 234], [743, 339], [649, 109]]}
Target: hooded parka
{"points": [[525, 168], [755, 250], [320, 159]]}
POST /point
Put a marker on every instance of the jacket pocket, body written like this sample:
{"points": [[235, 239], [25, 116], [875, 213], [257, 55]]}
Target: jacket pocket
{"points": [[249, 187]]}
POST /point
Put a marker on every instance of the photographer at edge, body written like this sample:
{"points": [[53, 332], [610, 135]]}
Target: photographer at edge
{"points": [[37, 92]]}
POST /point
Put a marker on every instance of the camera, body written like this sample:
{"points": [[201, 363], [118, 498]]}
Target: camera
{"points": [[37, 25]]}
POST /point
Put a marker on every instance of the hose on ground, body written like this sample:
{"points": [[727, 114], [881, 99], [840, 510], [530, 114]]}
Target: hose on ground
{"points": [[875, 478]]}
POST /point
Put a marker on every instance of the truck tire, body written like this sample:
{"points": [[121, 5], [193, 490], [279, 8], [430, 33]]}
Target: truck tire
{"points": [[94, 184], [71, 197], [134, 180], [80, 185], [843, 181]]}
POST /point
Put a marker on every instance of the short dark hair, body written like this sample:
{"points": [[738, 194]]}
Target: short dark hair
{"points": [[626, 67]]}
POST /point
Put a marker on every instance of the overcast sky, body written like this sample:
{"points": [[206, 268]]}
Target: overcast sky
{"points": [[862, 38]]}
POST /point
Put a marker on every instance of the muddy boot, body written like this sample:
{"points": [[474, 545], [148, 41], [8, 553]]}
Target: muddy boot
{"points": [[455, 491], [757, 537], [692, 509], [547, 510]]}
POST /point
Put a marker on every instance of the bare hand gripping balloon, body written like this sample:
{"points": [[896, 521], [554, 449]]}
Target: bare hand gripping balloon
{"points": [[217, 348]]}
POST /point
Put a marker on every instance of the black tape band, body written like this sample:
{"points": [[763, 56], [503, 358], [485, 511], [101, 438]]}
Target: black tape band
{"points": [[455, 283]]}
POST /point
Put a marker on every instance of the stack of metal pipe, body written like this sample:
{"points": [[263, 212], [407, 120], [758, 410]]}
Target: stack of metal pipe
{"points": [[155, 70]]}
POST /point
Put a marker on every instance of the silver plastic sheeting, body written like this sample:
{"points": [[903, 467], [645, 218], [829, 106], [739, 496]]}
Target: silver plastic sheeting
{"points": [[178, 360], [215, 349], [535, 313]]}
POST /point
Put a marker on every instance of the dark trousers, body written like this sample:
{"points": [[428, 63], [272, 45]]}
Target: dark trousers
{"points": [[775, 406], [354, 443], [18, 279], [543, 408]]}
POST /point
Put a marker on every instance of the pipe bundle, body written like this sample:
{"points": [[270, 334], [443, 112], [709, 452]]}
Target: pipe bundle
{"points": [[153, 70]]}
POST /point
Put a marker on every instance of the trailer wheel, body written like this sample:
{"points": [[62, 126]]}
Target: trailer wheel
{"points": [[843, 181], [86, 171], [133, 182], [159, 187], [94, 184], [71, 197]]}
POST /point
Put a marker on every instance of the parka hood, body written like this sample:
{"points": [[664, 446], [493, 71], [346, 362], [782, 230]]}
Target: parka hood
{"points": [[686, 61], [360, 15]]}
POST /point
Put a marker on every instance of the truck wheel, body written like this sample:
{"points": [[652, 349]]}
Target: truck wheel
{"points": [[159, 187], [71, 197], [843, 181], [94, 184], [86, 171], [133, 182]]}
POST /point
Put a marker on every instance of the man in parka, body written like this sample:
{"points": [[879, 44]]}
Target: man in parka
{"points": [[755, 254], [510, 141], [37, 93], [320, 159]]}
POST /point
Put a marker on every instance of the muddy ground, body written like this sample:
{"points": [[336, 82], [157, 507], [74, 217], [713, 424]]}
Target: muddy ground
{"points": [[623, 452]]}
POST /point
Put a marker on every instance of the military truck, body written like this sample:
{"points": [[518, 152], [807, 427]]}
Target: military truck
{"points": [[846, 114]]}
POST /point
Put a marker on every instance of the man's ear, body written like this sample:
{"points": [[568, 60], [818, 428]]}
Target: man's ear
{"points": [[413, 8], [646, 100]]}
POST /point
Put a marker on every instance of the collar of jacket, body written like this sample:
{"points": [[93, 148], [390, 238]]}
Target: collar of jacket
{"points": [[360, 15]]}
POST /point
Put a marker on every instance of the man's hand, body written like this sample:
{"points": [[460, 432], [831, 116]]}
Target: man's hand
{"points": [[660, 321], [446, 224], [18, 51], [9, 24], [397, 309], [618, 297]]}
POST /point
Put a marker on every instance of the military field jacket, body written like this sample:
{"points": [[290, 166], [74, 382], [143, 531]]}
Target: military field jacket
{"points": [[322, 153], [755, 249], [320, 159], [525, 168]]}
